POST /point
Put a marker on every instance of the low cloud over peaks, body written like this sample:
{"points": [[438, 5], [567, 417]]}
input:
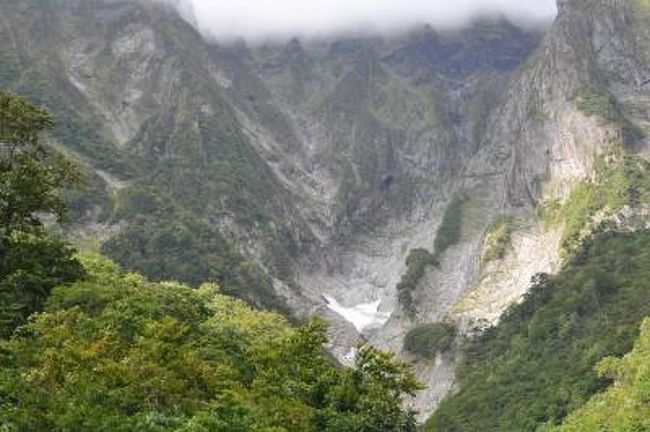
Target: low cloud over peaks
{"points": [[256, 20]]}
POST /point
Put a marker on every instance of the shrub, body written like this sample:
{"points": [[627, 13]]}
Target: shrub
{"points": [[416, 264], [498, 241], [450, 229], [428, 339]]}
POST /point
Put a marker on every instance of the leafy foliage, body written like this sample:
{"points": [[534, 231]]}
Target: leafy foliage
{"points": [[31, 178], [429, 339], [625, 405], [30, 266], [450, 229], [117, 352], [537, 365], [165, 243], [416, 265]]}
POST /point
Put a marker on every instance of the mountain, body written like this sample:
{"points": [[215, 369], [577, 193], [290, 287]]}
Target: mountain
{"points": [[435, 173]]}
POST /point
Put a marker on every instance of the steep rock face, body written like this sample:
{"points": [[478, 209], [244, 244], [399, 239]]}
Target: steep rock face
{"points": [[552, 135], [540, 140], [386, 146]]}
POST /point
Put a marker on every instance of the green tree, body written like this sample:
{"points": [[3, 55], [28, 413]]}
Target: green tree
{"points": [[31, 175], [369, 397], [31, 180], [625, 406], [427, 340], [117, 352]]}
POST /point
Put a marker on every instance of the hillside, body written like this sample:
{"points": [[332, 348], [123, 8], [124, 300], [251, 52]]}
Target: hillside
{"points": [[539, 363]]}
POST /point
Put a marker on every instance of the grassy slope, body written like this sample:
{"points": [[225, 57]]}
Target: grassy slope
{"points": [[498, 240], [621, 179]]}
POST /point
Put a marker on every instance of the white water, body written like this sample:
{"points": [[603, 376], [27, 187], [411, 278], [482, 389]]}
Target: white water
{"points": [[361, 316]]}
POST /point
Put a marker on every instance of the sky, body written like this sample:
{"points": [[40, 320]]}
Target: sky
{"points": [[258, 20]]}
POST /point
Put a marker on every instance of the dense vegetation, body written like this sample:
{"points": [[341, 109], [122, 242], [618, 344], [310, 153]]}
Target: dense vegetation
{"points": [[449, 232], [31, 261], [427, 340], [416, 265], [625, 406], [165, 243], [621, 179], [117, 352], [537, 365]]}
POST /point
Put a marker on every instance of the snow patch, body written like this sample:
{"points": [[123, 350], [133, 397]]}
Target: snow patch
{"points": [[362, 316]]}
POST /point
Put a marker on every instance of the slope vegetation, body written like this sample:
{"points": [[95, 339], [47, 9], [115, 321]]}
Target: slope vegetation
{"points": [[117, 352], [625, 405], [537, 365]]}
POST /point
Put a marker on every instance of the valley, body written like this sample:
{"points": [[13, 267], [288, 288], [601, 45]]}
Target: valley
{"points": [[385, 184]]}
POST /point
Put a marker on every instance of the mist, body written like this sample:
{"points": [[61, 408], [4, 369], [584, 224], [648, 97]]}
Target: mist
{"points": [[259, 20]]}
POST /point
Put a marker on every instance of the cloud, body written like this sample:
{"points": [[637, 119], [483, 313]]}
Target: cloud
{"points": [[256, 20]]}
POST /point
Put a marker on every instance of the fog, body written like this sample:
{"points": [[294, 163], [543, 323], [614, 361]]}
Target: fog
{"points": [[257, 20]]}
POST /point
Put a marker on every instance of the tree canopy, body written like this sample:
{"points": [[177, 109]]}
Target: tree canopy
{"points": [[31, 180], [31, 175], [117, 352], [625, 405]]}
